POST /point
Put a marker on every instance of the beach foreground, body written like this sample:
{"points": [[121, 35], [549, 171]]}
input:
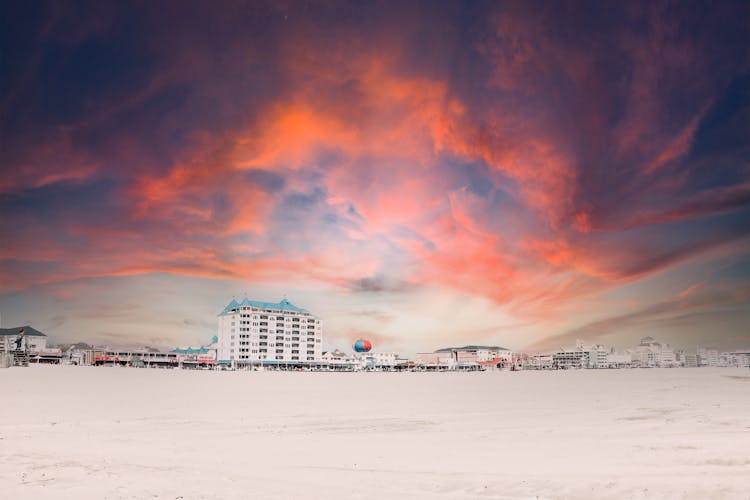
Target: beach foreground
{"points": [[87, 432]]}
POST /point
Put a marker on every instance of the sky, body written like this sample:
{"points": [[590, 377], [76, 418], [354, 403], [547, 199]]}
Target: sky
{"points": [[421, 174]]}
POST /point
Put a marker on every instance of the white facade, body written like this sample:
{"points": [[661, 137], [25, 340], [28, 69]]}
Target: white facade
{"points": [[435, 358], [650, 353], [379, 359], [266, 332], [708, 357], [33, 340]]}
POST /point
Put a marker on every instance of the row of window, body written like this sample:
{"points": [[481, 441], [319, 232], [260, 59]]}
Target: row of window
{"points": [[278, 358], [277, 318]]}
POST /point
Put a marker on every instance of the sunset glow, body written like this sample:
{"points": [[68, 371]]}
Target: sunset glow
{"points": [[418, 175]]}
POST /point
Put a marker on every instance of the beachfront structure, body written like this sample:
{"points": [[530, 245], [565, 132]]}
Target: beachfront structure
{"points": [[33, 340], [707, 357], [437, 359], [650, 353], [378, 359], [739, 359], [266, 333], [467, 357], [538, 361], [339, 360], [618, 360], [478, 353]]}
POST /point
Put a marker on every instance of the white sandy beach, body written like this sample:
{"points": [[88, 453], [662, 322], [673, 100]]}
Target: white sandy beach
{"points": [[86, 432]]}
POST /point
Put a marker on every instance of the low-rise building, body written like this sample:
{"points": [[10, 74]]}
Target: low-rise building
{"points": [[31, 339]]}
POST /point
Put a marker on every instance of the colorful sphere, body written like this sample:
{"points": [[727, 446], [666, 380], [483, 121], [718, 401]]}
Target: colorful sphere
{"points": [[362, 345]]}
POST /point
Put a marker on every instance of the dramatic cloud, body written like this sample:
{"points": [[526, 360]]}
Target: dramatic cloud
{"points": [[537, 156]]}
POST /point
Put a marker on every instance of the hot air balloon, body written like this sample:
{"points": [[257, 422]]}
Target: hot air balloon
{"points": [[362, 345]]}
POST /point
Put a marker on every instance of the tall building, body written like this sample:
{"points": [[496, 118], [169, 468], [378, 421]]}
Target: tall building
{"points": [[253, 332]]}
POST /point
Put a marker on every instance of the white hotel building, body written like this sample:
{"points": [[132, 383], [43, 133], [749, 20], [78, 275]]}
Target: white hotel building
{"points": [[256, 333]]}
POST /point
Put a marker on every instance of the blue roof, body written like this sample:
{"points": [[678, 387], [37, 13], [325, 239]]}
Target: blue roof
{"points": [[190, 350], [284, 305]]}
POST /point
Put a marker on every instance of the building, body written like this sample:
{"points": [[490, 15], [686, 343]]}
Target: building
{"points": [[690, 360], [197, 357], [538, 361], [438, 359], [385, 360], [33, 340], [650, 353], [570, 358], [707, 357], [739, 359], [131, 357], [341, 361], [618, 360], [267, 333]]}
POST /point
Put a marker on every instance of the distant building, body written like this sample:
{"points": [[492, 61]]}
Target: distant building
{"points": [[690, 360], [739, 359], [570, 358], [32, 339], [445, 359], [378, 359], [650, 353], [707, 357], [581, 356], [339, 360], [618, 360], [538, 362], [253, 332], [198, 356]]}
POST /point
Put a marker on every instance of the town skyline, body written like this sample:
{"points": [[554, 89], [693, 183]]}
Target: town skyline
{"points": [[422, 174]]}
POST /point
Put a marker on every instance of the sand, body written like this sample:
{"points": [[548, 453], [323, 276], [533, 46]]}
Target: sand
{"points": [[108, 432]]}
